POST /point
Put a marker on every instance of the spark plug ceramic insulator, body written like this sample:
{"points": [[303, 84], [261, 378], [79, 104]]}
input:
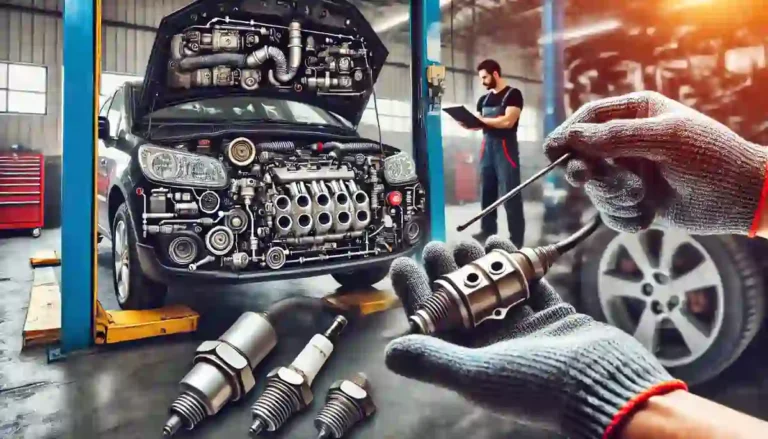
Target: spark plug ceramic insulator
{"points": [[288, 389]]}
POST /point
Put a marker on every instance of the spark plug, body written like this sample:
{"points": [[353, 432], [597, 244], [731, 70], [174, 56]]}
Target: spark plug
{"points": [[487, 288], [288, 389], [348, 402], [222, 372]]}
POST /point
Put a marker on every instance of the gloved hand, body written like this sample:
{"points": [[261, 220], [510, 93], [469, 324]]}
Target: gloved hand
{"points": [[643, 156], [544, 364]]}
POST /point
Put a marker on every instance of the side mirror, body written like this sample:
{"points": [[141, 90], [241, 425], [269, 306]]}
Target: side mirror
{"points": [[103, 128]]}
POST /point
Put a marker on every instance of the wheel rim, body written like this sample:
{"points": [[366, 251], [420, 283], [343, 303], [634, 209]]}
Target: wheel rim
{"points": [[662, 287], [122, 263]]}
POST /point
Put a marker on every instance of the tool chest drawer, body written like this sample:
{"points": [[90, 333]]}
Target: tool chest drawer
{"points": [[22, 192]]}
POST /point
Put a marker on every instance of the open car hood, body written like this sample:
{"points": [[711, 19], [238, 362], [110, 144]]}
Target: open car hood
{"points": [[328, 22]]}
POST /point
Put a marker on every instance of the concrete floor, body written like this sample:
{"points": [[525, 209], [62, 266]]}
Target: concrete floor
{"points": [[124, 391]]}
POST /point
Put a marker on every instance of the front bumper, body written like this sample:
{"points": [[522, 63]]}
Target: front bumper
{"points": [[155, 270]]}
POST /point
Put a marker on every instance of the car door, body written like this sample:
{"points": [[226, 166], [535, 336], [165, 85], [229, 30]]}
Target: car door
{"points": [[108, 153], [102, 185]]}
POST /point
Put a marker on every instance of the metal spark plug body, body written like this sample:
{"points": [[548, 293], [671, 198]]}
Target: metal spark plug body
{"points": [[288, 389], [348, 402], [481, 290], [222, 372]]}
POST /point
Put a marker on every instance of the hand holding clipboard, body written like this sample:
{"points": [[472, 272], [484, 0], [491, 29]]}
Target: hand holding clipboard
{"points": [[465, 117]]}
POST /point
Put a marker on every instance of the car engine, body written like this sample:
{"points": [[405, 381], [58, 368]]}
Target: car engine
{"points": [[249, 54], [283, 203]]}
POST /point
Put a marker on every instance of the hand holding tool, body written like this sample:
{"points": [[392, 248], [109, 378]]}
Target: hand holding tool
{"points": [[543, 365], [664, 161]]}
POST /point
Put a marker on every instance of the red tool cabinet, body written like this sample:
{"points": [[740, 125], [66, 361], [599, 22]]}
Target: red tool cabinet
{"points": [[22, 190]]}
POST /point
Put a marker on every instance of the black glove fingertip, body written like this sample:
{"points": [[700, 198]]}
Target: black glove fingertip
{"points": [[466, 252], [497, 242], [410, 283], [438, 260]]}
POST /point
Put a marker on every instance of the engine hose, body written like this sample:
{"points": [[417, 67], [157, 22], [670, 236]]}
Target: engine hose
{"points": [[347, 148], [284, 308], [284, 70], [216, 59], [283, 147]]}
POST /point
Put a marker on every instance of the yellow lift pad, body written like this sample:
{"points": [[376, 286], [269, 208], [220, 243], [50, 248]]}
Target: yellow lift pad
{"points": [[43, 323], [120, 326], [45, 258], [365, 302]]}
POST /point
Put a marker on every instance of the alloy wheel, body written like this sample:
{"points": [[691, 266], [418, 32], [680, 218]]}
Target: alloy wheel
{"points": [[122, 263], [662, 287]]}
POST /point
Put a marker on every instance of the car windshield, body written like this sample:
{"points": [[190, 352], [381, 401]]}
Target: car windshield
{"points": [[244, 109]]}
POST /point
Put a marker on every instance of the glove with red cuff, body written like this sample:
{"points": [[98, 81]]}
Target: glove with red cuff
{"points": [[545, 365], [643, 157]]}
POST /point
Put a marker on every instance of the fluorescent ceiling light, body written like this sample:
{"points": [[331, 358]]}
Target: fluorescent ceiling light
{"points": [[399, 19], [583, 31]]}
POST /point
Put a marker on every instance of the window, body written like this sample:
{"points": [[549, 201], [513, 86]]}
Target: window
{"points": [[115, 114], [23, 88], [111, 81]]}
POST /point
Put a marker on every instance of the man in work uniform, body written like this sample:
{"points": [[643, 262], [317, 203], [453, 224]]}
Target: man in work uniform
{"points": [[499, 155]]}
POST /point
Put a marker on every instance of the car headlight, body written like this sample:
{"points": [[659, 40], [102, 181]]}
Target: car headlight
{"points": [[400, 169], [181, 168]]}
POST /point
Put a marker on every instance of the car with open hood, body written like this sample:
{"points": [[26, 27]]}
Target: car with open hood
{"points": [[237, 158]]}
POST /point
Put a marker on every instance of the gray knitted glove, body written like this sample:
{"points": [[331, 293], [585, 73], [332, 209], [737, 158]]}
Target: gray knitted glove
{"points": [[643, 156], [544, 364]]}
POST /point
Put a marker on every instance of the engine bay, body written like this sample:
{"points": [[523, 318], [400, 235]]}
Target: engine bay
{"points": [[283, 202], [249, 54]]}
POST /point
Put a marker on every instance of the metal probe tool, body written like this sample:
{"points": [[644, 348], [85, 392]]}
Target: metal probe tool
{"points": [[288, 389], [514, 192], [487, 288]]}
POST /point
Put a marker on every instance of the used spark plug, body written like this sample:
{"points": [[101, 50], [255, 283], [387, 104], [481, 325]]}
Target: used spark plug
{"points": [[288, 389], [348, 402], [222, 372], [490, 286]]}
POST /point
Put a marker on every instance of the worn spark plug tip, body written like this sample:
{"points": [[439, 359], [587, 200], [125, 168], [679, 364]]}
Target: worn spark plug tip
{"points": [[172, 426], [338, 325], [325, 434], [257, 427]]}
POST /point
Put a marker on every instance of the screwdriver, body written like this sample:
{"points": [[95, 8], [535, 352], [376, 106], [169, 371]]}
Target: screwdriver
{"points": [[514, 191]]}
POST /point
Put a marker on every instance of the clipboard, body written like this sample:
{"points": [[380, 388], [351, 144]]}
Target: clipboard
{"points": [[464, 116]]}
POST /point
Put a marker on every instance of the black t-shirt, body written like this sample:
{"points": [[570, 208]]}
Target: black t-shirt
{"points": [[514, 99]]}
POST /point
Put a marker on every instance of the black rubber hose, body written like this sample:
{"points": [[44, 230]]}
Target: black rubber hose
{"points": [[349, 148], [284, 308], [283, 147], [216, 59], [580, 235]]}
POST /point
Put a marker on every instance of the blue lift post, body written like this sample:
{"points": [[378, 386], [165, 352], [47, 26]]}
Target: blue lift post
{"points": [[77, 185], [425, 51], [554, 70]]}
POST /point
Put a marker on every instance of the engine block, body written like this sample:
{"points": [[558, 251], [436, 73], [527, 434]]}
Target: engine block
{"points": [[288, 204]]}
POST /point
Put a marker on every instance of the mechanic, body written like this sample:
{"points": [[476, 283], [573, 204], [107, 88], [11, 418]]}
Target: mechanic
{"points": [[641, 157], [499, 154]]}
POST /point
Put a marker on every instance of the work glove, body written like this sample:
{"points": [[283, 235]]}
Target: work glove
{"points": [[643, 157], [544, 364]]}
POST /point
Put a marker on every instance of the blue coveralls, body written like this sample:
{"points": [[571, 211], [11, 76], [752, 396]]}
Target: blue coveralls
{"points": [[499, 167]]}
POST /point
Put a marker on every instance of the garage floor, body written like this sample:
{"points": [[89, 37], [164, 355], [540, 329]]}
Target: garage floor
{"points": [[124, 391]]}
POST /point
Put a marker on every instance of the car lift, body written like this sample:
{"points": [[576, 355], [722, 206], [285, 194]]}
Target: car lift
{"points": [[83, 321]]}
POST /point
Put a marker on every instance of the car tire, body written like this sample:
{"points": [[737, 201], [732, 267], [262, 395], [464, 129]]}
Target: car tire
{"points": [[741, 304], [133, 289], [363, 278]]}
